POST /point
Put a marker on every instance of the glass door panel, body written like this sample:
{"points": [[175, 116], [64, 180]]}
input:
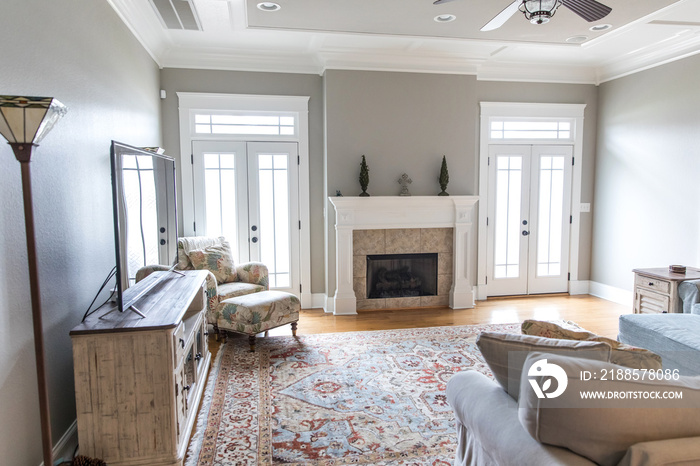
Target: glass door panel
{"points": [[221, 199], [550, 212], [509, 168], [272, 211]]}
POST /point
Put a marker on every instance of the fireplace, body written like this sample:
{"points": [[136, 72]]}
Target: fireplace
{"points": [[403, 225], [401, 275]]}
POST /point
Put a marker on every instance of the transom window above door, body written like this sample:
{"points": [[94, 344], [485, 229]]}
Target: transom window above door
{"points": [[245, 124], [532, 129]]}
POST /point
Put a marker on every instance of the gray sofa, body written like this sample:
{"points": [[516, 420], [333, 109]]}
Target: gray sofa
{"points": [[672, 336], [495, 430], [500, 422]]}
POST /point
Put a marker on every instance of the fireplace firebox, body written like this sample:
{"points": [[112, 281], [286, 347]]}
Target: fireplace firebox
{"points": [[401, 275]]}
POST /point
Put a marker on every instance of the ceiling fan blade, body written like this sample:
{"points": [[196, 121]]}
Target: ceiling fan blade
{"points": [[440, 2], [590, 10], [500, 19]]}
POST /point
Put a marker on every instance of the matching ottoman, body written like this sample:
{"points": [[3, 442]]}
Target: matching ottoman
{"points": [[674, 337], [258, 312]]}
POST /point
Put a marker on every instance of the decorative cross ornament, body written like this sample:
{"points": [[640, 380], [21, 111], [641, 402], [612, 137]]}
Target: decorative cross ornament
{"points": [[404, 181]]}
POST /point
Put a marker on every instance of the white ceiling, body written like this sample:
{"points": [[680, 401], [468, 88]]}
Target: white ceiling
{"points": [[311, 36]]}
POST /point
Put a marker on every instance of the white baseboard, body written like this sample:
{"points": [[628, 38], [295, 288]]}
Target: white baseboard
{"points": [[577, 287], [64, 448], [318, 301], [611, 293]]}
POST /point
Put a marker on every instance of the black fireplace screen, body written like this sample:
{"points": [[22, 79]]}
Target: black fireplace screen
{"points": [[401, 275]]}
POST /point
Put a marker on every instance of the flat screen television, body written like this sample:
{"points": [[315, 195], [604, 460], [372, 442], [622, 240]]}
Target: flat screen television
{"points": [[145, 215]]}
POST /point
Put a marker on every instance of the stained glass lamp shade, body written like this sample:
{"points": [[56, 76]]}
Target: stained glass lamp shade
{"points": [[26, 120]]}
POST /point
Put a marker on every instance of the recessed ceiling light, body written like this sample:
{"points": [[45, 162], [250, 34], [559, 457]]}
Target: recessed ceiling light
{"points": [[445, 18], [268, 6], [600, 27], [577, 39]]}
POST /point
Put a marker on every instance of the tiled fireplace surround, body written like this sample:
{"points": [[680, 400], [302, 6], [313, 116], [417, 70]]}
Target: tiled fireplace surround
{"points": [[398, 225], [402, 241]]}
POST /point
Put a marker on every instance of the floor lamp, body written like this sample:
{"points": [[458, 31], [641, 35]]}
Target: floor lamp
{"points": [[24, 121]]}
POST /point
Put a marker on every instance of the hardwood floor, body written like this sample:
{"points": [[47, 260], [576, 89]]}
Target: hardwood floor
{"points": [[594, 314]]}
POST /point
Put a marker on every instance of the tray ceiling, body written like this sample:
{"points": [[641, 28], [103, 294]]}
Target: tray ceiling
{"points": [[310, 36]]}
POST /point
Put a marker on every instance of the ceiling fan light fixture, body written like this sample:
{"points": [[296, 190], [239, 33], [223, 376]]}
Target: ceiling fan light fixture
{"points": [[539, 11], [600, 27]]}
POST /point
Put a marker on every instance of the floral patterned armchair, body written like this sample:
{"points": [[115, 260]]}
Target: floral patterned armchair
{"points": [[224, 280]]}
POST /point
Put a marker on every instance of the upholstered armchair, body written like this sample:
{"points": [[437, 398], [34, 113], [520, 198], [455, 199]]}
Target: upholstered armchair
{"points": [[225, 279]]}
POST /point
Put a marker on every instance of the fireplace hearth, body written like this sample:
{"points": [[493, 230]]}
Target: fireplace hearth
{"points": [[401, 275]]}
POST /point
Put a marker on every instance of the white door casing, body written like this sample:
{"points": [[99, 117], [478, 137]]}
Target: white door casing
{"points": [[535, 112], [193, 103]]}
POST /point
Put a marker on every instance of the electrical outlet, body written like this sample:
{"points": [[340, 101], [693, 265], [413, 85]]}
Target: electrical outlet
{"points": [[585, 207]]}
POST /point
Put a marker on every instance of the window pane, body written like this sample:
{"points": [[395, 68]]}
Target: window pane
{"points": [[550, 213], [508, 200], [273, 180], [287, 121], [211, 161], [202, 129], [227, 160]]}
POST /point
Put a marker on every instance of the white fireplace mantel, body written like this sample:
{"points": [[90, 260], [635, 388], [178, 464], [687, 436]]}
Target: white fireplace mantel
{"points": [[388, 212]]}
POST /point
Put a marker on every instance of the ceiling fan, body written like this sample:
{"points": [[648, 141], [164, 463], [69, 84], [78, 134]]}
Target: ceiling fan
{"points": [[541, 11]]}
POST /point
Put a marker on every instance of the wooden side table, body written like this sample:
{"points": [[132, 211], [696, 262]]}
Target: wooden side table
{"points": [[656, 289]]}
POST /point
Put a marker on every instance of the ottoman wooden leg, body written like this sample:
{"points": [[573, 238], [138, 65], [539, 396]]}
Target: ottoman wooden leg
{"points": [[294, 329], [251, 341]]}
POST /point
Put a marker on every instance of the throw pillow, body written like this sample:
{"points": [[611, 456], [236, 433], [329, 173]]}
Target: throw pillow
{"points": [[505, 354], [622, 354], [217, 259], [603, 429]]}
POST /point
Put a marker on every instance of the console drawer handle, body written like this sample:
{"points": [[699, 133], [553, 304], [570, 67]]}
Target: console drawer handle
{"points": [[651, 283]]}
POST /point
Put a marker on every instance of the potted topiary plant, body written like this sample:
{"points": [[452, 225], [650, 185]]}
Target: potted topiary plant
{"points": [[444, 177], [364, 177]]}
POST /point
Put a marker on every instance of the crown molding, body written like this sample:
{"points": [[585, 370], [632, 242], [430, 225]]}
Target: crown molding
{"points": [[145, 27], [682, 46]]}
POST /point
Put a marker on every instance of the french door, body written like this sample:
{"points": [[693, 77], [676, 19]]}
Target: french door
{"points": [[528, 219], [248, 192]]}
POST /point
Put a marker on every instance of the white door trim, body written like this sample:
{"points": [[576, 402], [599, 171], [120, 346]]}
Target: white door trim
{"points": [[189, 102], [528, 110]]}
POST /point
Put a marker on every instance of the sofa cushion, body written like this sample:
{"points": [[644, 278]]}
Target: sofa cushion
{"points": [[233, 289], [604, 429], [488, 431], [673, 452], [625, 355], [217, 259], [505, 354], [672, 336]]}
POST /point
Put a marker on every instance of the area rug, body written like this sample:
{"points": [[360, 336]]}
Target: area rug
{"points": [[345, 398]]}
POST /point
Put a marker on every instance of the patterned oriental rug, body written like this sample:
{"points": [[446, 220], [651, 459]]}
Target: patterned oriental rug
{"points": [[345, 398]]}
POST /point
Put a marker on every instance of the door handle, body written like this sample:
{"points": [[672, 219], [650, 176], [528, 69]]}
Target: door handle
{"points": [[525, 232], [254, 239]]}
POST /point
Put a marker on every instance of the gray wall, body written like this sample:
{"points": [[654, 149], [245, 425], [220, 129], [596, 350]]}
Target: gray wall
{"points": [[647, 174], [405, 122], [81, 53], [240, 82], [401, 122]]}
